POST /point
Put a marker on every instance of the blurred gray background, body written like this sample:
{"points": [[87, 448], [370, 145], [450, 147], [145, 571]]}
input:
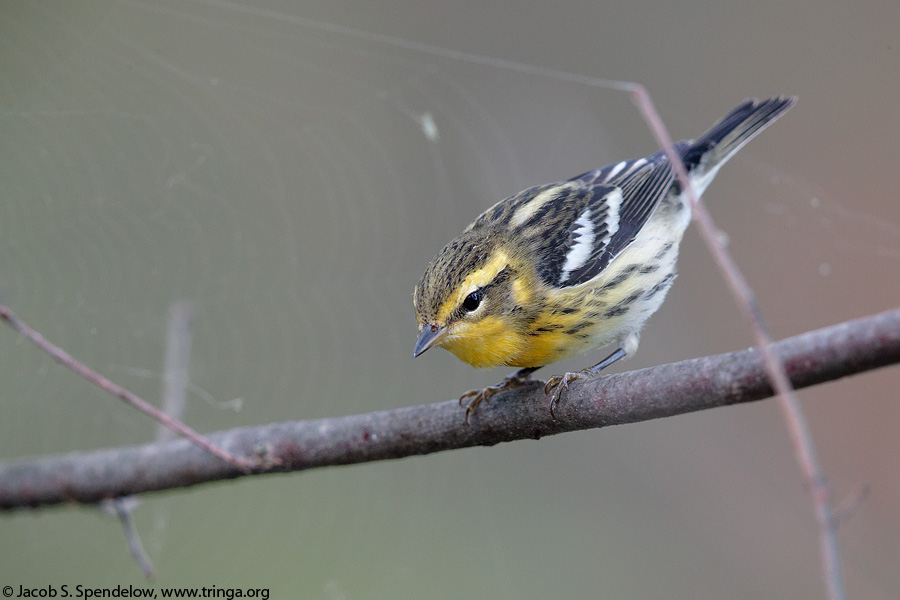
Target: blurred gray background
{"points": [[292, 181]]}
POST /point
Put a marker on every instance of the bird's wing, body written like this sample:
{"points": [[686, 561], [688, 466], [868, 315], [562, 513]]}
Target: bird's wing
{"points": [[595, 216]]}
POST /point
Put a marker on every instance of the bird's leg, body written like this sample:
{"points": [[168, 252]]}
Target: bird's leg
{"points": [[520, 378], [556, 384]]}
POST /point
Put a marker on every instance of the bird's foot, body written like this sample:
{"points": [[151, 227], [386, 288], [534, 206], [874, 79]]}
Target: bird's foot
{"points": [[473, 398], [559, 383]]}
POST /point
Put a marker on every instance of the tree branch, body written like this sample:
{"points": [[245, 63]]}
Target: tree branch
{"points": [[663, 391]]}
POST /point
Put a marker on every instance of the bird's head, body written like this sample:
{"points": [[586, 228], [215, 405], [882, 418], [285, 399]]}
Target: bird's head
{"points": [[472, 300]]}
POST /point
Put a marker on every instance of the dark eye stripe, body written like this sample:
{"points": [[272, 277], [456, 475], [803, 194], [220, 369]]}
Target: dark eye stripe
{"points": [[501, 277]]}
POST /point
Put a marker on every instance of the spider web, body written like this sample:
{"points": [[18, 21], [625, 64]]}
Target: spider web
{"points": [[290, 178]]}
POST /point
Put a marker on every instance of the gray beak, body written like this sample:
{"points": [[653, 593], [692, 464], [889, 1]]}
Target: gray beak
{"points": [[431, 335]]}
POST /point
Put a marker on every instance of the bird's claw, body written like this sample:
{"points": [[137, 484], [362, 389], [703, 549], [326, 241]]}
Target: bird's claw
{"points": [[555, 387], [484, 395], [477, 397]]}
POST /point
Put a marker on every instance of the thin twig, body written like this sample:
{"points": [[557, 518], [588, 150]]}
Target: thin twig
{"points": [[657, 392], [847, 507], [176, 365], [129, 398], [798, 426], [123, 508], [174, 393]]}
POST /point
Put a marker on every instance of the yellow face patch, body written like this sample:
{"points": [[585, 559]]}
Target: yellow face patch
{"points": [[522, 293], [486, 343], [478, 278]]}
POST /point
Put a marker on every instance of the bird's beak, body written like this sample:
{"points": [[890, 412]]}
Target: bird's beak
{"points": [[431, 335]]}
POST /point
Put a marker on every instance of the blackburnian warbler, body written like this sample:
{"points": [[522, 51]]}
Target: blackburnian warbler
{"points": [[560, 268]]}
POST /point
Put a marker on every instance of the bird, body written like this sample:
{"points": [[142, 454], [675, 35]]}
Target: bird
{"points": [[562, 268]]}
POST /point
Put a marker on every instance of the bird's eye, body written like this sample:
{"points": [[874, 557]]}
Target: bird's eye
{"points": [[472, 301]]}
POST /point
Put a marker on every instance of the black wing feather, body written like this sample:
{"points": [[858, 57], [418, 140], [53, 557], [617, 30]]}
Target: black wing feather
{"points": [[642, 183]]}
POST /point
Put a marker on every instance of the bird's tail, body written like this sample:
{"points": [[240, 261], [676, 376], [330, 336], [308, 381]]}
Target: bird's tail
{"points": [[716, 146]]}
